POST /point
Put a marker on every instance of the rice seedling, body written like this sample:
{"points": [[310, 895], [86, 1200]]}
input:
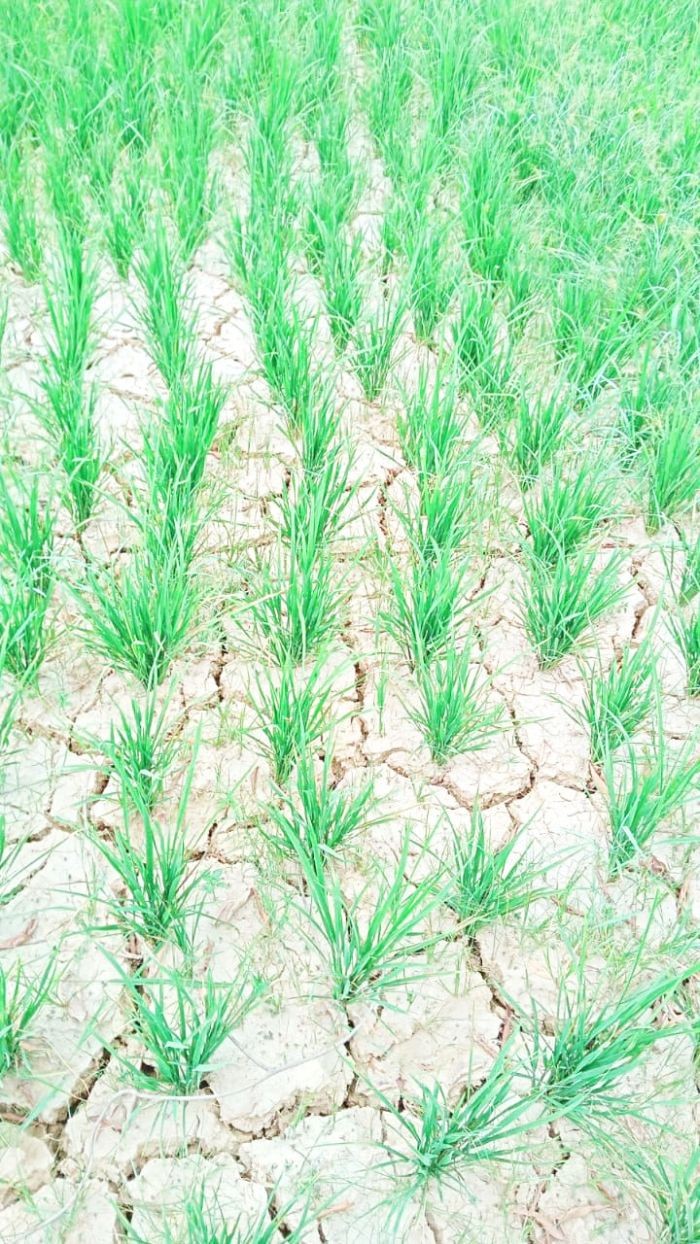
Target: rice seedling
{"points": [[489, 885], [21, 1000], [687, 634], [452, 73], [569, 507], [285, 345], [202, 1220], [428, 605], [316, 813], [379, 941], [373, 342], [141, 617], [166, 315], [644, 403], [431, 428], [26, 575], [690, 583], [592, 333], [340, 263], [187, 141], [125, 210], [675, 1193], [474, 331], [619, 701], [18, 205], [177, 442], [562, 600], [539, 430], [579, 1069], [673, 466], [141, 750], [296, 606], [431, 278], [292, 713], [487, 1124], [644, 795], [182, 1022], [453, 712], [488, 217]]}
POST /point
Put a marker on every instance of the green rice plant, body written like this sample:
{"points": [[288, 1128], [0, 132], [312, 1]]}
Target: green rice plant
{"points": [[177, 442], [579, 1068], [571, 504], [521, 290], [540, 429], [340, 265], [675, 1192], [690, 583], [315, 812], [141, 750], [377, 942], [673, 466], [26, 575], [285, 344], [21, 1001], [166, 315], [182, 1023], [453, 713], [186, 145], [431, 278], [489, 885], [487, 1124], [387, 101], [619, 701], [314, 506], [296, 608], [687, 633], [474, 332], [644, 402], [645, 795], [70, 299], [446, 515], [141, 616], [562, 600], [428, 605], [19, 211], [125, 209], [373, 342], [292, 712], [202, 1221], [488, 214], [592, 333], [431, 427], [320, 450], [452, 73]]}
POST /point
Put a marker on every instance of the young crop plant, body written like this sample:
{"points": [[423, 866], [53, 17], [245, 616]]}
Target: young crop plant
{"points": [[488, 207], [431, 278], [489, 885], [293, 711], [67, 411], [690, 583], [27, 575], [378, 941], [316, 815], [592, 334], [453, 712], [19, 210], [687, 633], [675, 1193], [141, 750], [142, 615], [182, 1023], [125, 210], [644, 404], [474, 334], [673, 465], [161, 891], [439, 1141], [562, 600], [428, 605], [373, 342], [296, 606], [21, 1001], [540, 429], [177, 441], [338, 259], [166, 315], [619, 701], [186, 145], [203, 1220], [569, 507], [431, 428], [579, 1069], [645, 795]]}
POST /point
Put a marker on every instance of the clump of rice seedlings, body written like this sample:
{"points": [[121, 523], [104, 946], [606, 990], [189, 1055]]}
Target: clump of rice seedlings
{"points": [[644, 402], [428, 604], [453, 712], [18, 206], [187, 141], [387, 100], [675, 1192], [166, 315], [474, 331], [316, 812], [539, 431], [202, 1221], [68, 411], [570, 505], [431, 278], [177, 442], [26, 575], [296, 607], [488, 212], [452, 74], [141, 750], [645, 795], [182, 1023], [489, 885], [687, 633], [592, 334], [690, 583], [125, 210], [520, 291], [619, 701], [141, 615], [431, 428], [161, 891], [378, 941], [373, 341], [285, 345], [21, 1001], [579, 1068], [673, 466], [292, 711], [563, 599], [489, 1123], [340, 270]]}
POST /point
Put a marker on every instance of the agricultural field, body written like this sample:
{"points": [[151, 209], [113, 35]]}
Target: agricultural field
{"points": [[349, 622]]}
